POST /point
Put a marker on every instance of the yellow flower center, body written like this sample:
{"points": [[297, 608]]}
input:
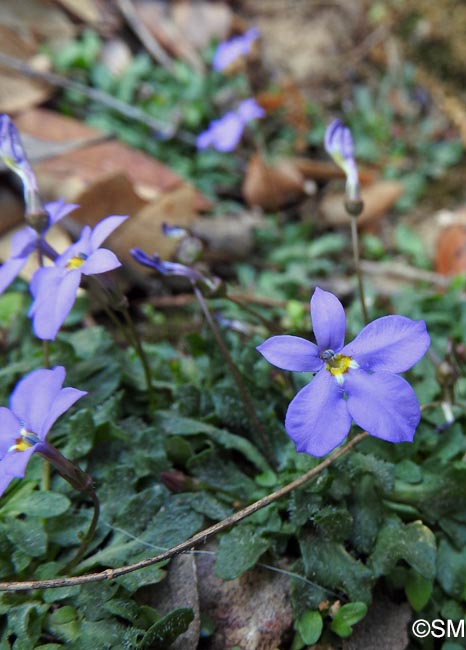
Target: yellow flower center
{"points": [[25, 440], [76, 261], [338, 364]]}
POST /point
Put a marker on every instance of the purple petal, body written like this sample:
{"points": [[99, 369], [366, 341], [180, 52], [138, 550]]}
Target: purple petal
{"points": [[249, 110], [338, 141], [328, 320], [105, 228], [228, 51], [10, 270], [53, 304], [62, 402], [383, 404], [24, 242], [100, 261], [390, 343], [59, 209], [317, 419], [291, 353], [34, 396], [223, 134], [13, 465], [9, 427], [80, 248]]}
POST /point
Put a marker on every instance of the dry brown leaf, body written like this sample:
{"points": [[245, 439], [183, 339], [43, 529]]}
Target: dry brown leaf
{"points": [[378, 199], [85, 10], [271, 186], [156, 16], [229, 237], [69, 174], [18, 92], [37, 18], [450, 257], [143, 229], [321, 170]]}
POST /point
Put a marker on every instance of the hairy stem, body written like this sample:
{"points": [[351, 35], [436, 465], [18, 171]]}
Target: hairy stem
{"points": [[192, 542], [357, 264]]}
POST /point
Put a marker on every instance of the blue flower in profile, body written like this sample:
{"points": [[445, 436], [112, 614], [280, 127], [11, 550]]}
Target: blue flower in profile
{"points": [[54, 288], [358, 381], [230, 51], [37, 401], [225, 133], [339, 145]]}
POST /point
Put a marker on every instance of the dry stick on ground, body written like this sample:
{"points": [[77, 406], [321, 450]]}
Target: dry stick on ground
{"points": [[145, 36], [134, 113], [192, 542]]}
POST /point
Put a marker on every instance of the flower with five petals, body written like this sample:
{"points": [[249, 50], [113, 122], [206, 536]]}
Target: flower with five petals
{"points": [[358, 381]]}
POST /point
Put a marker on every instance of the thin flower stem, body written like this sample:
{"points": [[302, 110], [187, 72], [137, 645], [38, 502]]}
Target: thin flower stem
{"points": [[87, 539], [137, 344], [46, 473], [248, 405], [355, 240], [129, 333], [192, 542], [252, 312]]}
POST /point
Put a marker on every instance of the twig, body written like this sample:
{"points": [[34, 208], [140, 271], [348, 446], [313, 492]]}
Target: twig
{"points": [[192, 542], [405, 272], [162, 129], [147, 39]]}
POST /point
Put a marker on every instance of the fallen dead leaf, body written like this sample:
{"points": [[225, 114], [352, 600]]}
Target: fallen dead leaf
{"points": [[229, 237], [157, 18], [95, 161], [290, 99], [271, 186], [11, 209], [85, 10], [37, 19], [378, 199], [18, 92], [450, 257], [144, 229], [321, 170]]}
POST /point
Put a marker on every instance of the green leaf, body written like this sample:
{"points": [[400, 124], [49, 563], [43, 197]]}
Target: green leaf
{"points": [[38, 504], [238, 551], [309, 626], [63, 622], [176, 425], [414, 543], [451, 570], [418, 590], [27, 535], [160, 635], [347, 616], [329, 564]]}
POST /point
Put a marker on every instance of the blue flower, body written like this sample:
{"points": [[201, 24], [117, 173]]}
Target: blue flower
{"points": [[54, 287], [167, 268], [339, 145], [358, 381], [225, 133], [27, 240], [36, 402], [229, 51]]}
